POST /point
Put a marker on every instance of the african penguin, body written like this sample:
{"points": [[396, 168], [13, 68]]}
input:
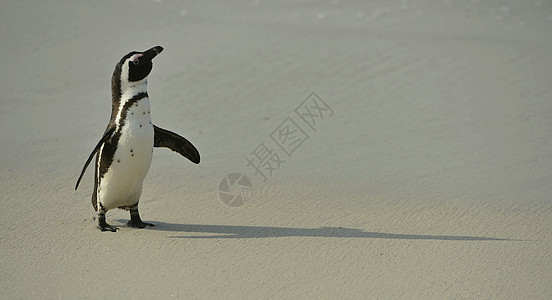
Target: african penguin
{"points": [[123, 154]]}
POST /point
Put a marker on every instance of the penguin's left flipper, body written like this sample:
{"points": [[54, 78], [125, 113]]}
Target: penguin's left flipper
{"points": [[173, 141], [105, 137]]}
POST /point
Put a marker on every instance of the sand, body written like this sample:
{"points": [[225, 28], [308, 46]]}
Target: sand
{"points": [[425, 175]]}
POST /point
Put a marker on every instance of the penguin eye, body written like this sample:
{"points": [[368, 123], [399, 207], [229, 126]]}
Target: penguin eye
{"points": [[136, 59]]}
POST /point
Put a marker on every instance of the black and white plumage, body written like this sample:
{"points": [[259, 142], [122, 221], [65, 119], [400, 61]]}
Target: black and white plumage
{"points": [[123, 154]]}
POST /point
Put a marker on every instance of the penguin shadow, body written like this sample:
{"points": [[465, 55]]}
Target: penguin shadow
{"points": [[252, 232]]}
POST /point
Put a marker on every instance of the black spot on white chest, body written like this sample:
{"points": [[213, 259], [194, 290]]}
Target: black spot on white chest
{"points": [[137, 113], [135, 130]]}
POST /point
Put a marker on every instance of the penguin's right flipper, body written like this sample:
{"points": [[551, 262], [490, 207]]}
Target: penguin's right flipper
{"points": [[105, 137]]}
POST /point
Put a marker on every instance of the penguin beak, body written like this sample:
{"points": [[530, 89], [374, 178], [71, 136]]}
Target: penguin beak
{"points": [[151, 53]]}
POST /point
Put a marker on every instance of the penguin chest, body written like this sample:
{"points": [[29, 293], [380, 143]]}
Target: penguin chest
{"points": [[134, 151], [121, 185]]}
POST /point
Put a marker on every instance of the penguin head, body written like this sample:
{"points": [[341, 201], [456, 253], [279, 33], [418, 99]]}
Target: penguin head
{"points": [[132, 68], [140, 63]]}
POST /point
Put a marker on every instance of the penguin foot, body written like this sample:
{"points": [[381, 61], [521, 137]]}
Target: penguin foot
{"points": [[138, 224], [107, 227], [103, 226], [135, 220]]}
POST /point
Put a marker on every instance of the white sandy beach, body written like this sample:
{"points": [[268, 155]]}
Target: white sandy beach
{"points": [[427, 176]]}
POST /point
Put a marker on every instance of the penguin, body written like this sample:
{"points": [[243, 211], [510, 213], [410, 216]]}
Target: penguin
{"points": [[124, 153]]}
